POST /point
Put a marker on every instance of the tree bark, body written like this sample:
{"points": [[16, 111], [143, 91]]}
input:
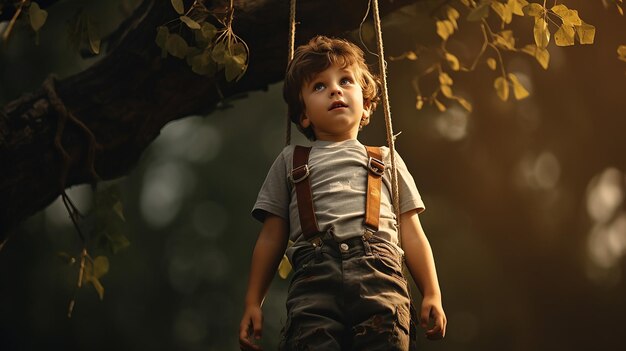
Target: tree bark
{"points": [[122, 102]]}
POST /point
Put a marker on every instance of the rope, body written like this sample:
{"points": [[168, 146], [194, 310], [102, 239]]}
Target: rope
{"points": [[390, 137], [292, 41]]}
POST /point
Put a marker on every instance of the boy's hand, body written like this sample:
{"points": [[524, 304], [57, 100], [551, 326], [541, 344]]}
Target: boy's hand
{"points": [[432, 312], [251, 327]]}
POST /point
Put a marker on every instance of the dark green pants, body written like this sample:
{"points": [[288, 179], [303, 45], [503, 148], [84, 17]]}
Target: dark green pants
{"points": [[347, 295]]}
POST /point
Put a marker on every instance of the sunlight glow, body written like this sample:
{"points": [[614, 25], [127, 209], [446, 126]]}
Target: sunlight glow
{"points": [[541, 172], [81, 196], [452, 124]]}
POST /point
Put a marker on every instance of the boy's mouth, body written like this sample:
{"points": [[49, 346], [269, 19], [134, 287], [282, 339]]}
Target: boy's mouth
{"points": [[337, 104]]}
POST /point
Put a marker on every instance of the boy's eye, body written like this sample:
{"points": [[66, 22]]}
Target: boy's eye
{"points": [[318, 86], [345, 81]]}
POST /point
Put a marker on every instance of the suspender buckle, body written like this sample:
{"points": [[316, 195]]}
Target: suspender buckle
{"points": [[376, 166], [299, 174]]}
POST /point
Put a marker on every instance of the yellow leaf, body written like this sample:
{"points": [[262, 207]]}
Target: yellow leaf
{"points": [[208, 30], [178, 6], [534, 10], [99, 288], [564, 36], [505, 40], [479, 12], [284, 268], [420, 103], [543, 57], [621, 52], [586, 33], [176, 46], [37, 16], [466, 105], [541, 32], [568, 16], [505, 12], [518, 89], [453, 61], [491, 62], [465, 2], [517, 6], [445, 79], [502, 88], [411, 56], [453, 15], [441, 107], [446, 90], [444, 29]]}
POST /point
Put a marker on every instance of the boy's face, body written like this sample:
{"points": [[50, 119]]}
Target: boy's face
{"points": [[333, 104]]}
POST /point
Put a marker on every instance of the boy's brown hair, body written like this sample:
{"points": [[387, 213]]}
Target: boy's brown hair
{"points": [[317, 55]]}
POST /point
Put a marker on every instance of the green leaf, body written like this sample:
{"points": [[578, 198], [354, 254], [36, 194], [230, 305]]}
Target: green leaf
{"points": [[518, 89], [284, 268], [502, 88], [178, 6], [541, 32], [203, 64], [190, 23], [37, 16], [218, 52], [586, 33], [94, 37], [117, 241], [234, 67], [453, 61], [176, 46], [208, 30], [564, 36], [161, 37], [533, 9], [479, 12]]}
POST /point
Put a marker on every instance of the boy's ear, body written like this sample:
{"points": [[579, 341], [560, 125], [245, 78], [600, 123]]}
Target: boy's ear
{"points": [[367, 111], [305, 122]]}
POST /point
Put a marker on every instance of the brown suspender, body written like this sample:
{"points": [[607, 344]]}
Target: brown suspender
{"points": [[300, 178]]}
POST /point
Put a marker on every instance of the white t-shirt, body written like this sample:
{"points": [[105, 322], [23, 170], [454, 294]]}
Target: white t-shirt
{"points": [[338, 176]]}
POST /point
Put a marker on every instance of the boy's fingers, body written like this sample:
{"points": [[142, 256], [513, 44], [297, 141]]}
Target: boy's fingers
{"points": [[257, 326], [244, 338], [424, 317]]}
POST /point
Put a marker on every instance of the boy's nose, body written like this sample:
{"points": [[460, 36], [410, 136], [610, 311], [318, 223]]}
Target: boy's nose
{"points": [[335, 91]]}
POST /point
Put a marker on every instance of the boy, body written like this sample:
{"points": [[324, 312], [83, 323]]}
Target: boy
{"points": [[347, 292]]}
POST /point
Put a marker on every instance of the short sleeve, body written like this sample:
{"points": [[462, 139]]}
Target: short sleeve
{"points": [[275, 193], [410, 198]]}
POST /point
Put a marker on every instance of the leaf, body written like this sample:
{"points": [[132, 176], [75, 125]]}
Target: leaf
{"points": [[453, 61], [621, 52], [117, 241], [568, 16], [518, 89], [411, 56], [444, 29], [534, 10], [466, 105], [234, 67], [505, 40], [420, 102], [543, 57], [100, 266], [94, 37], [586, 33], [176, 46], [119, 209], [564, 36], [178, 6], [479, 12], [37, 16], [502, 88], [284, 268], [218, 52], [99, 288], [445, 79], [517, 6], [453, 16], [541, 32], [446, 90], [441, 107], [161, 38], [208, 30], [491, 62], [505, 12], [190, 23]]}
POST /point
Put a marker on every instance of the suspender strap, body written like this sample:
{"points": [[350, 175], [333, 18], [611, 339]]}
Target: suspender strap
{"points": [[300, 178], [376, 169]]}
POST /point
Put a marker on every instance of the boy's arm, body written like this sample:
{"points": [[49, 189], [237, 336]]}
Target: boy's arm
{"points": [[421, 264], [268, 251]]}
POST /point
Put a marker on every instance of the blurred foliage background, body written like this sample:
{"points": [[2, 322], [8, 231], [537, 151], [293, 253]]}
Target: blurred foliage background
{"points": [[525, 206]]}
